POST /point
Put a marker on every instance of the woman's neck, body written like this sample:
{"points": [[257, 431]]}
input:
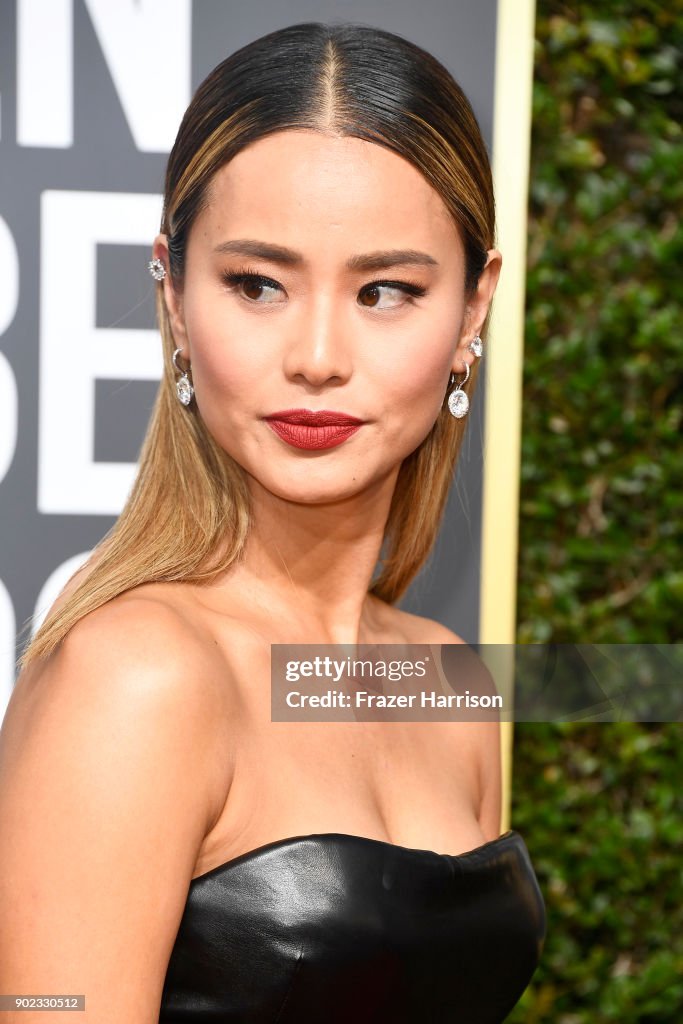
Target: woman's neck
{"points": [[314, 562]]}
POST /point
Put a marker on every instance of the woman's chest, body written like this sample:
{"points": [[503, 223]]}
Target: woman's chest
{"points": [[405, 782], [415, 784]]}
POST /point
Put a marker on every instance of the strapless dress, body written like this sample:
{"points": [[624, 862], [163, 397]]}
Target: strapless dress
{"points": [[341, 929]]}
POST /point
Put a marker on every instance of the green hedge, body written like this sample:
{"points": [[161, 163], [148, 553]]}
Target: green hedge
{"points": [[600, 809], [601, 495], [601, 501]]}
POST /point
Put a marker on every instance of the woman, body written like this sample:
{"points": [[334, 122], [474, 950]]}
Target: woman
{"points": [[325, 269]]}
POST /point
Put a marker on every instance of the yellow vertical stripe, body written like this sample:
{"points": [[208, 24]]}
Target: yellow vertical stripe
{"points": [[511, 139]]}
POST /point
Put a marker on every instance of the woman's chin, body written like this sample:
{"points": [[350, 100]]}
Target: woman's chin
{"points": [[310, 487]]}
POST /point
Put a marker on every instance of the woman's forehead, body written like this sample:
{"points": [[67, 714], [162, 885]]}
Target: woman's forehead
{"points": [[296, 182]]}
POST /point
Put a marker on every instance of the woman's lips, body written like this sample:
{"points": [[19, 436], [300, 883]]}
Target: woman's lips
{"points": [[303, 435], [303, 428]]}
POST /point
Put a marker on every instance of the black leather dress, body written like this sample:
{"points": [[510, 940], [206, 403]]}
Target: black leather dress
{"points": [[340, 929]]}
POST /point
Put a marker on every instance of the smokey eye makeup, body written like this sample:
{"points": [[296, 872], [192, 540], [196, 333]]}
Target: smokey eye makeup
{"points": [[247, 277]]}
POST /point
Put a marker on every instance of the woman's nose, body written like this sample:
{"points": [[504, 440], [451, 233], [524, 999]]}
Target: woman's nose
{"points": [[318, 348]]}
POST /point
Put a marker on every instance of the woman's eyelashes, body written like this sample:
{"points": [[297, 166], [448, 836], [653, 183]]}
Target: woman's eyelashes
{"points": [[409, 289], [251, 282], [251, 286]]}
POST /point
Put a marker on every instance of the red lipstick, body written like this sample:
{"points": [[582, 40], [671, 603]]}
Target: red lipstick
{"points": [[304, 428]]}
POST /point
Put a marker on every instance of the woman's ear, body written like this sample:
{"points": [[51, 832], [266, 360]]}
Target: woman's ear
{"points": [[477, 309], [173, 298]]}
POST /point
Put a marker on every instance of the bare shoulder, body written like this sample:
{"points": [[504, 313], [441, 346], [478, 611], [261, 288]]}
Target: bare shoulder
{"points": [[137, 640], [137, 668], [434, 632], [414, 629], [143, 657], [108, 787]]}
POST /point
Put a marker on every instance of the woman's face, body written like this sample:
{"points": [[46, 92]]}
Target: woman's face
{"points": [[331, 321]]}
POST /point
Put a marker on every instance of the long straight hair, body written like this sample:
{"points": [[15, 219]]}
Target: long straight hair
{"points": [[188, 514]]}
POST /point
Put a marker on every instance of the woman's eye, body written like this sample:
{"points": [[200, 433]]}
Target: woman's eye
{"points": [[399, 288], [253, 286]]}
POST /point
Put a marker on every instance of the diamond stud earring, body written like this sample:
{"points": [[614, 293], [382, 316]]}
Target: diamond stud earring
{"points": [[476, 346], [183, 386], [157, 269], [458, 402]]}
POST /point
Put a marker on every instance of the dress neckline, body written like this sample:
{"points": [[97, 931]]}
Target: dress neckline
{"points": [[289, 841]]}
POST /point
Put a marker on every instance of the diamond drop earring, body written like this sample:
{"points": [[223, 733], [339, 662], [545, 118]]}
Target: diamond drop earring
{"points": [[157, 269], [458, 402], [183, 386]]}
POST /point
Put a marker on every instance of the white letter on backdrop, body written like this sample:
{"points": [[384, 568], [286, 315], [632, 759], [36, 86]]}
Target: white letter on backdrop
{"points": [[7, 652], [45, 73], [8, 416], [74, 352], [9, 277], [137, 36], [9, 297]]}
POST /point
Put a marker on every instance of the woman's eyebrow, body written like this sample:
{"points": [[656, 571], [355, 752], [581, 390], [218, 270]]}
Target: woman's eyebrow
{"points": [[289, 257]]}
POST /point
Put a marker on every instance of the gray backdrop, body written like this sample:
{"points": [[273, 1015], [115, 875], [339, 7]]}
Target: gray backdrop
{"points": [[91, 95]]}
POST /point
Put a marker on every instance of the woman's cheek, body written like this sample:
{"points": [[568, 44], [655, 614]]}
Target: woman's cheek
{"points": [[225, 363], [421, 381]]}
